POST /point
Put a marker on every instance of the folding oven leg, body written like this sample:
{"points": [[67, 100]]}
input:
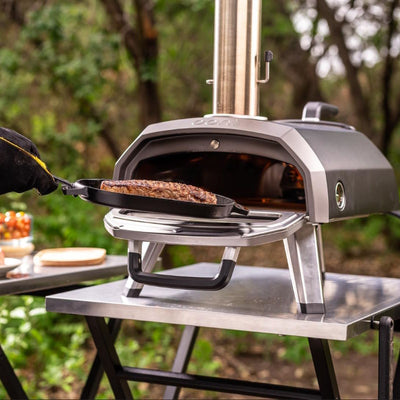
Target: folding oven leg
{"points": [[324, 369], [93, 380], [153, 251], [9, 379], [182, 358], [108, 357], [303, 252]]}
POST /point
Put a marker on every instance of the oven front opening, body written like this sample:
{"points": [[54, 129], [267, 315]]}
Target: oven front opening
{"points": [[253, 181]]}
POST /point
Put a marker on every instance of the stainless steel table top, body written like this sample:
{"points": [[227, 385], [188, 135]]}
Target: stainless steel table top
{"points": [[42, 278], [257, 299]]}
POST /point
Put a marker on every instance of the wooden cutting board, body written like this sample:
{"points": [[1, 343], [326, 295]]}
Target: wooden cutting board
{"points": [[70, 256]]}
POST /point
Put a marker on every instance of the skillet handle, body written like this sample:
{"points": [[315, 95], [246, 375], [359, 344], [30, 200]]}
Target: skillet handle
{"points": [[237, 208], [217, 282], [74, 189]]}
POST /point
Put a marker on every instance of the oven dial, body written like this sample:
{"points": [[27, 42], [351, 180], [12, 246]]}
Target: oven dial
{"points": [[340, 196]]}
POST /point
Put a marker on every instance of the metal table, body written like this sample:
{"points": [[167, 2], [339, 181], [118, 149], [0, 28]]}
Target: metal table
{"points": [[47, 280], [257, 300]]}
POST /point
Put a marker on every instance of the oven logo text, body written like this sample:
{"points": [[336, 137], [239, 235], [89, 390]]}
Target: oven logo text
{"points": [[225, 122]]}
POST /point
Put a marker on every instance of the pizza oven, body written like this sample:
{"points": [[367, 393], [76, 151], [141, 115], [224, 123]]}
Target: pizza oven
{"points": [[327, 170], [292, 176]]}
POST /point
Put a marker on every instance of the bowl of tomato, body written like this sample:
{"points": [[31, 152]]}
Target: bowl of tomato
{"points": [[16, 233]]}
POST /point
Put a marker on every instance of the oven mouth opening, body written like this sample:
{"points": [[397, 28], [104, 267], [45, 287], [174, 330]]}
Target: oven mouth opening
{"points": [[253, 181]]}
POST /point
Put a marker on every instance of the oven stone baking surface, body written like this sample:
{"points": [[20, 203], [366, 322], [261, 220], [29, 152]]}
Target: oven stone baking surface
{"points": [[256, 299]]}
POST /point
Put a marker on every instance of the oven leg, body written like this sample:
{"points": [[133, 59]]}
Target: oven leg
{"points": [[9, 379], [303, 252], [182, 358], [385, 383], [93, 380], [318, 229], [324, 369], [153, 251], [108, 356]]}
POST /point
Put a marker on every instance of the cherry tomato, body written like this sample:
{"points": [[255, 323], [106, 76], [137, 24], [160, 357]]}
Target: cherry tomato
{"points": [[20, 225], [16, 235], [14, 225], [10, 222]]}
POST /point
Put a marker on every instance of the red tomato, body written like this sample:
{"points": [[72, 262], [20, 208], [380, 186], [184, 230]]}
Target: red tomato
{"points": [[10, 222], [10, 214], [16, 235], [2, 218], [20, 225]]}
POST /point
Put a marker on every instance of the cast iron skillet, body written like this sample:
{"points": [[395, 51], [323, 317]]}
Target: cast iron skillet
{"points": [[89, 189]]}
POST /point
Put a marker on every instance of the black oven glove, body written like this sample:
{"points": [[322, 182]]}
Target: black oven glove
{"points": [[21, 168]]}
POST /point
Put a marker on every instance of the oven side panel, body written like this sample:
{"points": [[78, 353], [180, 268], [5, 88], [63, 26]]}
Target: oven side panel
{"points": [[351, 158]]}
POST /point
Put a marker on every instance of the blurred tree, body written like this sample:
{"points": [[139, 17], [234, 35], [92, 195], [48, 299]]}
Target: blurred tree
{"points": [[292, 63], [141, 42], [361, 40], [64, 58]]}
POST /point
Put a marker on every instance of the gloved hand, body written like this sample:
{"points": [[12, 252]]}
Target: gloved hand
{"points": [[20, 166]]}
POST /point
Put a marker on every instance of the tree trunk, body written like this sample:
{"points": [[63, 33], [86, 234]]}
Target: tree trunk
{"points": [[141, 44], [359, 100]]}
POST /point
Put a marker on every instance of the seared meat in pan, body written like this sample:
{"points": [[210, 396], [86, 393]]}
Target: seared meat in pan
{"points": [[160, 189]]}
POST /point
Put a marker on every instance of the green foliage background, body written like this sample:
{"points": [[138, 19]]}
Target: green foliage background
{"points": [[65, 78]]}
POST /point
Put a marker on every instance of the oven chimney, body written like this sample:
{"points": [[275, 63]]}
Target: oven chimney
{"points": [[236, 57]]}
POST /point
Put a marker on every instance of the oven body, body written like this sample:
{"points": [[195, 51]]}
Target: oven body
{"points": [[231, 156]]}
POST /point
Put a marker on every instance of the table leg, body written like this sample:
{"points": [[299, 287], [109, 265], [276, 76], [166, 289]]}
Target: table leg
{"points": [[9, 379], [396, 381], [324, 369], [108, 357], [385, 383], [93, 380], [182, 358]]}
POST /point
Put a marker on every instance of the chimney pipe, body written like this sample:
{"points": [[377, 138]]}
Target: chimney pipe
{"points": [[236, 57]]}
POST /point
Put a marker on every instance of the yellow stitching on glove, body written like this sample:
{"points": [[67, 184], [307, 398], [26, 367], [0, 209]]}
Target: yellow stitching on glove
{"points": [[38, 160]]}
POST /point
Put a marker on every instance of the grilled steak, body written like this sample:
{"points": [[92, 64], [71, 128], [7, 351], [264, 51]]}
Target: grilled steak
{"points": [[165, 190]]}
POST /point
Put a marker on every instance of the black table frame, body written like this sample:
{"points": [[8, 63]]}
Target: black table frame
{"points": [[118, 375], [10, 380]]}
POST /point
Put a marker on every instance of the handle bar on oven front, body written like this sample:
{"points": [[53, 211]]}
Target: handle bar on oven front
{"points": [[219, 281]]}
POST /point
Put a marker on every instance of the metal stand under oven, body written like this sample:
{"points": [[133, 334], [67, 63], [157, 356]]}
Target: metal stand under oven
{"points": [[302, 240], [256, 300]]}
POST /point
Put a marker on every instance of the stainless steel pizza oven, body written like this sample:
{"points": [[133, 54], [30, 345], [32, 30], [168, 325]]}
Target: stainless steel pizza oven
{"points": [[292, 175], [330, 171]]}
